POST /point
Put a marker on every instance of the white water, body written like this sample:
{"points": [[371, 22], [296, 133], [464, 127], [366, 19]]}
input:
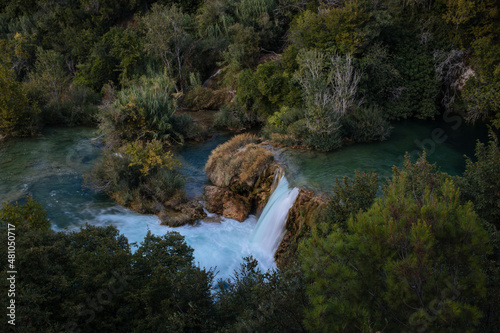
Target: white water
{"points": [[216, 245], [50, 168], [270, 228]]}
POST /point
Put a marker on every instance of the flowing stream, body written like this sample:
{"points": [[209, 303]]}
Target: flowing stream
{"points": [[50, 167]]}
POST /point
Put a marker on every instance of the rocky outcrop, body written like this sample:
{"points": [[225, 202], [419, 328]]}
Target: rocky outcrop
{"points": [[242, 174], [301, 217], [176, 214], [224, 202]]}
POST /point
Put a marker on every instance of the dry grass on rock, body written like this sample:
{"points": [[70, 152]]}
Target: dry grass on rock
{"points": [[238, 162]]}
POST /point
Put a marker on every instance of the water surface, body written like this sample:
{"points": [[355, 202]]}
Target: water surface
{"points": [[444, 142]]}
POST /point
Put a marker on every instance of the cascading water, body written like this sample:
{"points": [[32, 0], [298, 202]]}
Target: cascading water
{"points": [[270, 228]]}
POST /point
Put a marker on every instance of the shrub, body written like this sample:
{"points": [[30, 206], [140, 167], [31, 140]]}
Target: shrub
{"points": [[285, 117], [481, 181], [367, 124], [233, 117], [350, 196], [31, 215], [145, 111], [323, 141], [138, 175], [18, 114], [201, 98]]}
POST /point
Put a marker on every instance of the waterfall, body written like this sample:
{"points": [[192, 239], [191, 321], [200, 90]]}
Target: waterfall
{"points": [[270, 228]]}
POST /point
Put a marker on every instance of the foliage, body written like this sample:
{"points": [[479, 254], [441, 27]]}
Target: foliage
{"points": [[172, 293], [149, 156], [144, 111], [167, 36], [115, 57], [481, 180], [124, 178], [89, 280], [253, 300], [333, 29], [29, 216], [367, 124], [50, 75], [202, 98], [350, 196], [417, 85], [234, 117], [266, 89], [422, 251], [18, 115]]}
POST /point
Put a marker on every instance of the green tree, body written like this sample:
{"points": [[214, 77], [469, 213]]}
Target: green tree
{"points": [[29, 216], [50, 74], [168, 35], [413, 261], [481, 180], [334, 29], [172, 294], [18, 115], [256, 301], [350, 196]]}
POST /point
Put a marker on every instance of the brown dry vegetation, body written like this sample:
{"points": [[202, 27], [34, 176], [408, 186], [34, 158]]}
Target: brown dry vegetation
{"points": [[201, 98], [238, 162]]}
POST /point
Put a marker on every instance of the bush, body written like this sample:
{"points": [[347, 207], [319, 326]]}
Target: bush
{"points": [[233, 117], [18, 114], [323, 141], [145, 111], [349, 197], [481, 181], [201, 98], [140, 176], [256, 301], [77, 107], [31, 215], [367, 124]]}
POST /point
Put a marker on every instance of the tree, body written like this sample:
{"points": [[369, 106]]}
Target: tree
{"points": [[167, 35], [50, 74], [329, 88], [335, 30], [349, 197], [481, 180], [18, 115], [413, 261], [172, 294], [256, 301], [29, 216]]}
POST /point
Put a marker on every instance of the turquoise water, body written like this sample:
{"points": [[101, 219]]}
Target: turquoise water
{"points": [[318, 170], [50, 167]]}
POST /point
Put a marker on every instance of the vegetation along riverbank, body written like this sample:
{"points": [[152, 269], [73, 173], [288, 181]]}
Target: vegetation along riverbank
{"points": [[289, 84]]}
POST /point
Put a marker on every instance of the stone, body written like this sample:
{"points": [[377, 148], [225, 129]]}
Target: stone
{"points": [[214, 198], [182, 214], [236, 207]]}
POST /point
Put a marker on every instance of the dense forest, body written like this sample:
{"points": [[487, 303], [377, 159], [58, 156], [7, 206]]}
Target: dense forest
{"points": [[422, 254]]}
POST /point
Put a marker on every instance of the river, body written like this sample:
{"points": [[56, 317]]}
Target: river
{"points": [[50, 167]]}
